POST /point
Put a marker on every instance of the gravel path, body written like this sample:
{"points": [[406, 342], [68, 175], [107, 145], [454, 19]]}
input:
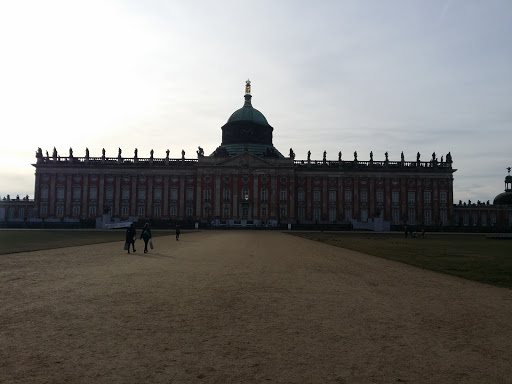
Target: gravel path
{"points": [[244, 307]]}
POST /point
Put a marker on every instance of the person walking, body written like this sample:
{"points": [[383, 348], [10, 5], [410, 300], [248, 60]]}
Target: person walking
{"points": [[146, 236], [131, 234], [177, 232]]}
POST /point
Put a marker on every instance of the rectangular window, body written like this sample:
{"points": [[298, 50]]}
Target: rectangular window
{"points": [[301, 196], [60, 193], [395, 197], [174, 194], [44, 210], [226, 212], [396, 216], [364, 215], [316, 214], [465, 218], [332, 214], [110, 193], [426, 197], [44, 193], [126, 193], [474, 219], [93, 193], [316, 196], [21, 213], [60, 209], [380, 197], [412, 217], [207, 194], [484, 219], [301, 213], [77, 191], [410, 197], [493, 218], [364, 197], [174, 210], [332, 196], [158, 194], [76, 210], [189, 211], [283, 212], [444, 217], [442, 197], [125, 211], [428, 217], [283, 194], [142, 211], [157, 211], [264, 212], [348, 214], [348, 197], [142, 194], [190, 195], [92, 210]]}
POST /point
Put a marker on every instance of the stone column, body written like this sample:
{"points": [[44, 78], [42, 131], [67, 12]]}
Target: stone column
{"points": [[149, 197], [181, 212], [101, 195], [235, 195], [218, 196], [68, 203], [273, 197], [165, 197], [199, 200], [255, 213], [52, 195], [116, 209], [85, 193]]}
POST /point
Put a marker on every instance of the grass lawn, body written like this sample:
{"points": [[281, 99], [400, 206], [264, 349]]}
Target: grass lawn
{"points": [[21, 240], [471, 256]]}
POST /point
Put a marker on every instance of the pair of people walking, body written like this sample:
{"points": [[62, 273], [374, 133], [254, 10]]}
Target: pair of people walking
{"points": [[131, 236]]}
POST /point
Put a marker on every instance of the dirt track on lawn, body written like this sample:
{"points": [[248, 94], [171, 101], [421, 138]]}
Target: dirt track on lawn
{"points": [[244, 307]]}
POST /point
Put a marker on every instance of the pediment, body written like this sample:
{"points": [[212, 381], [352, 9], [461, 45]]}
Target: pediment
{"points": [[246, 160]]}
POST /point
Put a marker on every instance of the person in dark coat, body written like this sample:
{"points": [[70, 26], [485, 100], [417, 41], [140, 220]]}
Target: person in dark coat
{"points": [[131, 234], [146, 236], [177, 232]]}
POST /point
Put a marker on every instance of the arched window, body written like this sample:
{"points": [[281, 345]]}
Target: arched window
{"points": [[245, 193], [283, 194], [264, 194], [207, 194]]}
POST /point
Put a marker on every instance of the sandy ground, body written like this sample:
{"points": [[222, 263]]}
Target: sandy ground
{"points": [[244, 307]]}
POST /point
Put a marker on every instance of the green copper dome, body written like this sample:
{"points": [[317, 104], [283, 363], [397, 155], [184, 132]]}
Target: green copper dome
{"points": [[248, 113]]}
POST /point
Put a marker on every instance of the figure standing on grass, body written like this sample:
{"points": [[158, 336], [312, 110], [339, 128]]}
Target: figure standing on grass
{"points": [[177, 232], [131, 234], [146, 236]]}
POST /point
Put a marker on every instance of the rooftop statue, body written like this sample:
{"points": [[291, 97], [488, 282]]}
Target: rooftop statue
{"points": [[292, 154], [402, 156], [70, 152], [151, 154], [248, 87], [119, 152], [386, 154], [371, 155], [200, 152], [355, 155], [167, 154], [418, 156], [339, 156]]}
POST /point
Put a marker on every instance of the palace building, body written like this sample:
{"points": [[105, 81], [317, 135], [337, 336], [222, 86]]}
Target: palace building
{"points": [[246, 181]]}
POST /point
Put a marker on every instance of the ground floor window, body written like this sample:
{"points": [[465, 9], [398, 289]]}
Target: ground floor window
{"points": [[396, 216], [332, 214], [189, 211], [76, 210], [301, 213], [348, 214], [142, 211], [364, 215], [444, 217], [44, 210], [283, 212], [124, 211], [226, 212], [263, 212], [173, 211], [60, 209], [484, 219], [316, 214], [157, 211], [428, 217], [412, 217]]}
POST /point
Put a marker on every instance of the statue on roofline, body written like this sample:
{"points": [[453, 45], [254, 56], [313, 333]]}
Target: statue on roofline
{"points": [[339, 156]]}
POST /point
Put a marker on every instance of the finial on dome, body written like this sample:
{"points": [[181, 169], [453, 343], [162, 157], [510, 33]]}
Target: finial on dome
{"points": [[248, 87]]}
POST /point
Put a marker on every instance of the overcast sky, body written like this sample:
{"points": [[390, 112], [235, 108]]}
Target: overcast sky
{"points": [[413, 76]]}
